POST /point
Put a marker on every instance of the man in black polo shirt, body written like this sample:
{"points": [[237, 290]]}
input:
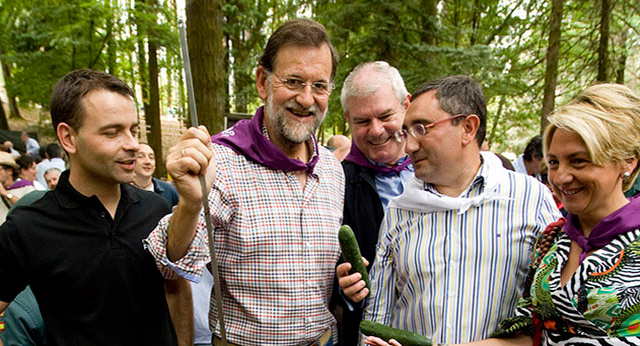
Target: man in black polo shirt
{"points": [[80, 248]]}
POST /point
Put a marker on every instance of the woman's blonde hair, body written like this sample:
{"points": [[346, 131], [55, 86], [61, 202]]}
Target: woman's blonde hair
{"points": [[607, 118]]}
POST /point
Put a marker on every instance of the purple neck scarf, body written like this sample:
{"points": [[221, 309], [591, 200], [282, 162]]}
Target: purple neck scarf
{"points": [[623, 220], [357, 157], [246, 138], [20, 183]]}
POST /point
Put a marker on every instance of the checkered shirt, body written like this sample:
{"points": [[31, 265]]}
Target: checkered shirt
{"points": [[276, 247]]}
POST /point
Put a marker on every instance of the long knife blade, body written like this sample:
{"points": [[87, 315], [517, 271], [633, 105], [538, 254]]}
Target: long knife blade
{"points": [[193, 113]]}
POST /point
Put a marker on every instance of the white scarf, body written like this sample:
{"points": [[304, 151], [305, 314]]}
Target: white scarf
{"points": [[416, 199]]}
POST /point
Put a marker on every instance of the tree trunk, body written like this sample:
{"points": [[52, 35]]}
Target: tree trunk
{"points": [[4, 124], [496, 120], [111, 42], [14, 112], [243, 44], [604, 41], [206, 51], [141, 31], [553, 55], [430, 19], [475, 22], [456, 22], [622, 59], [153, 117]]}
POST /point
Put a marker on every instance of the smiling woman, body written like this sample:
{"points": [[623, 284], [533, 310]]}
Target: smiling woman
{"points": [[584, 277]]}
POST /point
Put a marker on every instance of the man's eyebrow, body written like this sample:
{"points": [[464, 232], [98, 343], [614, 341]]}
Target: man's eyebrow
{"points": [[420, 121], [117, 126], [111, 126], [386, 112], [298, 76]]}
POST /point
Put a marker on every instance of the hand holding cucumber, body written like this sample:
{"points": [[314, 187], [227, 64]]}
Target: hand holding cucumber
{"points": [[352, 275], [352, 285]]}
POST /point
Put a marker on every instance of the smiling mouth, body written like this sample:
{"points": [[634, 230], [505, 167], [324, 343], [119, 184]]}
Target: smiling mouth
{"points": [[570, 192], [380, 141], [127, 162], [300, 113]]}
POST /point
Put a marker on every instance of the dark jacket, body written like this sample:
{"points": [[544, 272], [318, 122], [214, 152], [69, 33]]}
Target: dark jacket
{"points": [[363, 213], [166, 191], [362, 207]]}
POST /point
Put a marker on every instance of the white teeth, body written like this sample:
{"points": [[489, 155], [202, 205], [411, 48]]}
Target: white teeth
{"points": [[570, 192], [379, 142]]}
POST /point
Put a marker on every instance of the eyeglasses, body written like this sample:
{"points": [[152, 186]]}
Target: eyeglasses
{"points": [[297, 85], [419, 130]]}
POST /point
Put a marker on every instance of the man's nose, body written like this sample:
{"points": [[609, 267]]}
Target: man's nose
{"points": [[305, 97], [411, 145], [130, 142], [376, 128]]}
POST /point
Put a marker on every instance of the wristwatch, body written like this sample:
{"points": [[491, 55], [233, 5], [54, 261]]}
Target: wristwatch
{"points": [[9, 196]]}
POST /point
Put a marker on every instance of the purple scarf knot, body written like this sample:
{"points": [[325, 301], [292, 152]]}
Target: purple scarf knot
{"points": [[357, 157], [621, 221], [246, 138]]}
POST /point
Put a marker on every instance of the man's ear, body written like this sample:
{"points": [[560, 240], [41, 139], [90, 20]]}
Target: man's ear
{"points": [[261, 82], [346, 117], [406, 102], [68, 138], [470, 125]]}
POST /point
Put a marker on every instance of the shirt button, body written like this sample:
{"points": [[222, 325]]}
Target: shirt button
{"points": [[103, 214]]}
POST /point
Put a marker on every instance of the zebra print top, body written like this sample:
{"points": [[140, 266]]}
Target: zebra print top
{"points": [[599, 305]]}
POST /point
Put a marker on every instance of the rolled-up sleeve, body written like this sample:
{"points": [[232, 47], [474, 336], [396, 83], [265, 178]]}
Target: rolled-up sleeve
{"points": [[191, 265]]}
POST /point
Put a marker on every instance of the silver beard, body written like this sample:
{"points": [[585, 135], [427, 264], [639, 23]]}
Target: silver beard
{"points": [[292, 131]]}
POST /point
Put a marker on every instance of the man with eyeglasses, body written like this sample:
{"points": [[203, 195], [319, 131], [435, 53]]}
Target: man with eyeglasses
{"points": [[454, 247], [374, 100], [276, 201]]}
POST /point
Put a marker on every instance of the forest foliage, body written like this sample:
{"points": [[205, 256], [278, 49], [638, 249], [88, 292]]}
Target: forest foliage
{"points": [[502, 43]]}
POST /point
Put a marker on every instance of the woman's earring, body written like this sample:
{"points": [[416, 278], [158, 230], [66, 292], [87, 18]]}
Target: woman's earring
{"points": [[626, 176]]}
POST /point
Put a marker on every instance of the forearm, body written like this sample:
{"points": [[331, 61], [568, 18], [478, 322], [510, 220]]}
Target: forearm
{"points": [[180, 303], [182, 229]]}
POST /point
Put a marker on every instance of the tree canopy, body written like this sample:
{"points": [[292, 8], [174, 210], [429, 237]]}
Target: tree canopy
{"points": [[504, 44]]}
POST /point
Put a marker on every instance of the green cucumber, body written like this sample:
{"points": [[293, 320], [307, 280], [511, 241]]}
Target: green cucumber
{"points": [[351, 254], [386, 333]]}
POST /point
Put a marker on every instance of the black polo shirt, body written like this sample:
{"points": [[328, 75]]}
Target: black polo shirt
{"points": [[93, 280]]}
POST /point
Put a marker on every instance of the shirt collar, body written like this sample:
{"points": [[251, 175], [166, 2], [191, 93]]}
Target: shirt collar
{"points": [[156, 185], [70, 198]]}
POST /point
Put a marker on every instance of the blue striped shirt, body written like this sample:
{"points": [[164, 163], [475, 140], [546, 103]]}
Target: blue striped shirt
{"points": [[453, 275]]}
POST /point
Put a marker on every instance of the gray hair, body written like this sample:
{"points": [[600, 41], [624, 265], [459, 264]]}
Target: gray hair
{"points": [[379, 73]]}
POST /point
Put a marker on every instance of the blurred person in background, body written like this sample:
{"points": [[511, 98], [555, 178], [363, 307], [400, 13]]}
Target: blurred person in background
{"points": [[52, 158], [51, 177]]}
